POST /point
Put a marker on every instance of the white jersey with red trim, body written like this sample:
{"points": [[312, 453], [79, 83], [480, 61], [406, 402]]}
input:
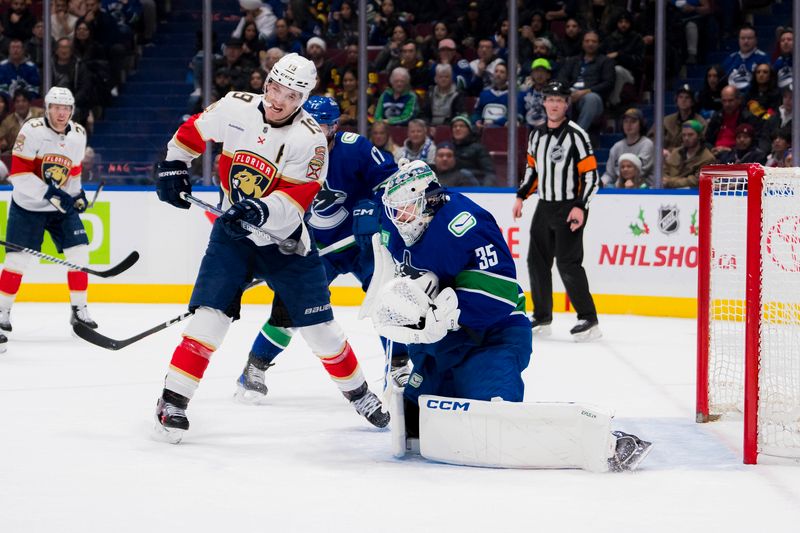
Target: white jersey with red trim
{"points": [[284, 166], [40, 157]]}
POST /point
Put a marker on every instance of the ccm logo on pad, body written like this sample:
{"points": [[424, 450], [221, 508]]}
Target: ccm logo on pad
{"points": [[447, 405]]}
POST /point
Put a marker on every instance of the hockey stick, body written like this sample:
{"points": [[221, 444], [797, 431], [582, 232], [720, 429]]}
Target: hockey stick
{"points": [[287, 246], [92, 336], [119, 268], [96, 193]]}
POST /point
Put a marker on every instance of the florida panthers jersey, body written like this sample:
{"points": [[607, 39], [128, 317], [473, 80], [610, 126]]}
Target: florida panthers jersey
{"points": [[42, 156], [465, 248], [283, 165], [355, 170]]}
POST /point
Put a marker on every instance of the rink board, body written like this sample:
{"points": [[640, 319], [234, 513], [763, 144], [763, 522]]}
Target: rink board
{"points": [[640, 251]]}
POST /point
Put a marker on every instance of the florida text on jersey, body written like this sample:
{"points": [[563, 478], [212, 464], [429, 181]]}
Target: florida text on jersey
{"points": [[258, 159], [42, 156]]}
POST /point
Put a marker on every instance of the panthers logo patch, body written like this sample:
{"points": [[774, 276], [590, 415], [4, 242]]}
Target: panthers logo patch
{"points": [[251, 176], [55, 169]]}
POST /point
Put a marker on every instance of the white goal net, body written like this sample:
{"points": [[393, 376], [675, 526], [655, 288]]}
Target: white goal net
{"points": [[770, 262]]}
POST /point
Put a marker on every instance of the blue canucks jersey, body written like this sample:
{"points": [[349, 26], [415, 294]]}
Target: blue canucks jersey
{"points": [[465, 248], [355, 169]]}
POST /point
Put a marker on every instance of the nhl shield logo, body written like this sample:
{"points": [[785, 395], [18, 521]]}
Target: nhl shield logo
{"points": [[668, 221], [557, 153], [250, 176]]}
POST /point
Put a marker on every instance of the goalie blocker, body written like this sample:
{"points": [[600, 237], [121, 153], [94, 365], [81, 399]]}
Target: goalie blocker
{"points": [[503, 434]]}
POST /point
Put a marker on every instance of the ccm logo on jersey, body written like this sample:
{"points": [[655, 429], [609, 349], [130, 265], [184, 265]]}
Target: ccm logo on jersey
{"points": [[447, 405]]}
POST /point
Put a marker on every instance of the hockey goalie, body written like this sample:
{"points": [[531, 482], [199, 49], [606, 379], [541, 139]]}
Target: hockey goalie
{"points": [[445, 284]]}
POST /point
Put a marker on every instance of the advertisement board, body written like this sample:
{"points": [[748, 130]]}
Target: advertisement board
{"points": [[640, 250]]}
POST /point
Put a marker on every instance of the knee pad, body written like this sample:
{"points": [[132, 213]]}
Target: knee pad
{"points": [[17, 262], [324, 339], [208, 326], [78, 254]]}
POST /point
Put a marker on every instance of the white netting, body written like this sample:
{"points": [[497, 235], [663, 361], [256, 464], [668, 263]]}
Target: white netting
{"points": [[727, 295], [779, 330]]}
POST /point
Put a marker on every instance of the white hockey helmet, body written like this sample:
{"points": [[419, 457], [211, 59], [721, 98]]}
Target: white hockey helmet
{"points": [[59, 95], [295, 72], [405, 201]]}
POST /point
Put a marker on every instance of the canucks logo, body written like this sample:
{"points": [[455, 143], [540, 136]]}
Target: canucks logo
{"points": [[328, 210], [250, 176], [407, 269], [55, 169]]}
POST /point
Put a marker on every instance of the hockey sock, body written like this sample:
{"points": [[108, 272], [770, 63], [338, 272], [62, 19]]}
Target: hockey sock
{"points": [[270, 342], [189, 363], [9, 285], [77, 282], [344, 369]]}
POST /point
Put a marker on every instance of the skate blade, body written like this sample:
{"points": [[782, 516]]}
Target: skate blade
{"points": [[589, 335], [542, 331], [249, 397], [639, 456], [168, 435]]}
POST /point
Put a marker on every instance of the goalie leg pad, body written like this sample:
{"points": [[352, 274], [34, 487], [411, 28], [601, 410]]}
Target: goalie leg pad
{"points": [[514, 434]]}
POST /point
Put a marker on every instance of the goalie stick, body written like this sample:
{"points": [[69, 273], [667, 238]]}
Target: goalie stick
{"points": [[119, 268], [287, 246], [92, 336]]}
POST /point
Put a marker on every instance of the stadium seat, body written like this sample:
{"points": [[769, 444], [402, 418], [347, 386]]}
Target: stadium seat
{"points": [[441, 134], [372, 52], [423, 29], [398, 134]]}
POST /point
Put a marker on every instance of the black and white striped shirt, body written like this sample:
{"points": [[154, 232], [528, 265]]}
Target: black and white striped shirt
{"points": [[561, 165]]}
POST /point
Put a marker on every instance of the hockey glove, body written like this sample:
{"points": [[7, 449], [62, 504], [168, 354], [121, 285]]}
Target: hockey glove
{"points": [[61, 200], [173, 179], [80, 202], [441, 317], [249, 210], [366, 221]]}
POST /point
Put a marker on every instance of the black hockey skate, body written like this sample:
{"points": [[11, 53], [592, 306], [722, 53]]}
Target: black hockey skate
{"points": [[171, 421], [251, 387], [5, 319], [3, 343], [541, 326], [630, 451], [586, 330], [368, 405], [80, 314]]}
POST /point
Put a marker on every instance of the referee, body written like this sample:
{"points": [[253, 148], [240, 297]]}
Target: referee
{"points": [[563, 169]]}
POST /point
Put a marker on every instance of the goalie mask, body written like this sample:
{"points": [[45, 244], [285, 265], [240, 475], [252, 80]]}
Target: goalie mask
{"points": [[407, 199]]}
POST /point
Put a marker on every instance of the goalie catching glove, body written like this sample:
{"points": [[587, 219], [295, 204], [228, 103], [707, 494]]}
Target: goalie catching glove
{"points": [[405, 312]]}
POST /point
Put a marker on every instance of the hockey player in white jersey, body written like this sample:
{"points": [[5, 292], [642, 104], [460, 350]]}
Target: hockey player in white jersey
{"points": [[274, 160], [47, 196]]}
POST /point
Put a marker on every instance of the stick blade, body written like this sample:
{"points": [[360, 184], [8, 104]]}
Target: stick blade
{"points": [[93, 337], [119, 268]]}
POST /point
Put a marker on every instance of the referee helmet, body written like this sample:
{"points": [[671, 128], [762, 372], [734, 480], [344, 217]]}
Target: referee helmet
{"points": [[556, 88]]}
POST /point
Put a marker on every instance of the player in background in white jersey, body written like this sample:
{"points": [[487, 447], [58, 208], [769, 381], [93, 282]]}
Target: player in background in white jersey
{"points": [[274, 161], [47, 196]]}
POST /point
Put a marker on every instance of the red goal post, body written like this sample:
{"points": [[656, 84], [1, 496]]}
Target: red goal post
{"points": [[748, 312]]}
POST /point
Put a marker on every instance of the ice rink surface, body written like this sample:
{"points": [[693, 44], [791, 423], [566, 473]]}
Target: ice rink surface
{"points": [[76, 453]]}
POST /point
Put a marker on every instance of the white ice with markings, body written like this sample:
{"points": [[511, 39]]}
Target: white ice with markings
{"points": [[76, 453]]}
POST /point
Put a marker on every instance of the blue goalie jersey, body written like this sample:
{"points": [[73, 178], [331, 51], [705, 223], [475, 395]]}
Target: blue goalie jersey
{"points": [[465, 248], [355, 170]]}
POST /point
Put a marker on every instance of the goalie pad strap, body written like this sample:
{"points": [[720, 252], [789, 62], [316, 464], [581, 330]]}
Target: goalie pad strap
{"points": [[515, 434]]}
